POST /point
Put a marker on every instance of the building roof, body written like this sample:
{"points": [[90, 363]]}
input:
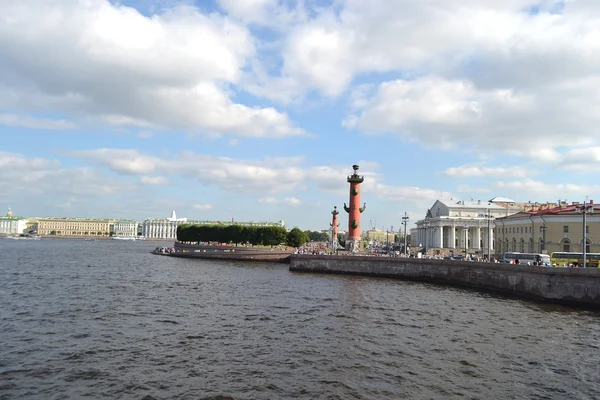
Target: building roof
{"points": [[501, 199], [567, 209], [470, 204]]}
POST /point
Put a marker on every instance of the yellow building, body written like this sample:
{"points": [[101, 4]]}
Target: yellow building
{"points": [[550, 227], [377, 235], [74, 226]]}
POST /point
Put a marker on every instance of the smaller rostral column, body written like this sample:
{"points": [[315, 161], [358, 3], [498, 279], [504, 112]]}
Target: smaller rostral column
{"points": [[353, 237], [334, 226]]}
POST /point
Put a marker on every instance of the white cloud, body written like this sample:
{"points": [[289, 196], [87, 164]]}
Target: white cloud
{"points": [[203, 207], [431, 110], [289, 201], [470, 171], [581, 159], [541, 190], [120, 160], [155, 180], [113, 64], [267, 200], [292, 201], [34, 177], [27, 121]]}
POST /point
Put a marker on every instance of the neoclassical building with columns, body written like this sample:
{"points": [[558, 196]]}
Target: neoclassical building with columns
{"points": [[461, 226]]}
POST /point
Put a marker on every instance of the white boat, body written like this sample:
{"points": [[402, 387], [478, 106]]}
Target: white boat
{"points": [[24, 237], [132, 238]]}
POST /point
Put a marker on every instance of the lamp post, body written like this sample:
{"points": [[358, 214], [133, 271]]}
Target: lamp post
{"points": [[404, 222], [543, 229], [426, 225], [489, 236], [585, 208], [466, 239], [387, 241]]}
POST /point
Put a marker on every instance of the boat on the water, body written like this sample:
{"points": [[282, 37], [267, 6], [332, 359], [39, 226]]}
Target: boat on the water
{"points": [[24, 237], [132, 238]]}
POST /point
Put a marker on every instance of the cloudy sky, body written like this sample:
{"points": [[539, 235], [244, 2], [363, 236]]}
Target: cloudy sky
{"points": [[257, 109]]}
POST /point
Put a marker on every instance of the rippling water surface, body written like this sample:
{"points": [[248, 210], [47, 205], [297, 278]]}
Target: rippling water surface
{"points": [[106, 319]]}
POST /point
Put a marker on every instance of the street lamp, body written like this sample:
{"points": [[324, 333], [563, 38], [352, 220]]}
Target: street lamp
{"points": [[387, 241], [585, 208], [426, 224], [404, 222], [466, 239], [489, 236], [543, 229]]}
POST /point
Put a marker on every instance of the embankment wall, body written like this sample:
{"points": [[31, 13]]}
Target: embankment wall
{"points": [[573, 286], [186, 250]]}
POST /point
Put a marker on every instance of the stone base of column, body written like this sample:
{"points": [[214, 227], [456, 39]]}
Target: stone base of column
{"points": [[353, 245]]}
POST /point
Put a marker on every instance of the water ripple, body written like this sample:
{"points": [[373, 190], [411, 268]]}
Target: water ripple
{"points": [[106, 319]]}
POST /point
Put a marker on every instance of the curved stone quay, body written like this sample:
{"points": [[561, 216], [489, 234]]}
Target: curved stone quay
{"points": [[233, 253], [571, 286]]}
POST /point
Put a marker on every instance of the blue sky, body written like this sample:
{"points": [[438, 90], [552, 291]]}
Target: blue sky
{"points": [[258, 109]]}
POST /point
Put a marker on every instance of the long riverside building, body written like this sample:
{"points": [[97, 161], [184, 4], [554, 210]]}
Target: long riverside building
{"points": [[69, 226]]}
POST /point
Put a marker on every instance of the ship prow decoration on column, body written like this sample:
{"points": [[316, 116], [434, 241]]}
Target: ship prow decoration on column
{"points": [[353, 240]]}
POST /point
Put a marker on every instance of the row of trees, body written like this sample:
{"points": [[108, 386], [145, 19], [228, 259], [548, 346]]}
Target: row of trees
{"points": [[315, 236], [265, 236]]}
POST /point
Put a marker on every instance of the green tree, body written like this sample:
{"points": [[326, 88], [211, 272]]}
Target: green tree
{"points": [[53, 232], [234, 233], [297, 238], [315, 236], [273, 236]]}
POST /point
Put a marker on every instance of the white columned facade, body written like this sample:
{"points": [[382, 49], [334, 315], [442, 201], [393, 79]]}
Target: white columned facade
{"points": [[452, 237]]}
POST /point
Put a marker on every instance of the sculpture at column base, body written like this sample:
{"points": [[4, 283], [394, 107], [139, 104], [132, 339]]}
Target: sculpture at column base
{"points": [[353, 245]]}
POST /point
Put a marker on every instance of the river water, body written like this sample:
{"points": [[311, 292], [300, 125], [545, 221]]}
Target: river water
{"points": [[106, 319]]}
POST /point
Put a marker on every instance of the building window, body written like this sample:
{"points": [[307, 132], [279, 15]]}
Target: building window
{"points": [[566, 245], [522, 245], [587, 229], [566, 229], [587, 246]]}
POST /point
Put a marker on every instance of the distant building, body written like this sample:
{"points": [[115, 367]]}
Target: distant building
{"points": [[378, 235], [125, 228], [458, 226], [550, 227], [12, 225], [73, 226], [162, 228]]}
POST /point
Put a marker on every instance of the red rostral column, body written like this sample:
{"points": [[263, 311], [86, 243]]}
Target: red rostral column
{"points": [[354, 211], [334, 225]]}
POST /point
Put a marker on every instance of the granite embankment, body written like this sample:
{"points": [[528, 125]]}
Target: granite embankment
{"points": [[185, 250], [572, 286]]}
